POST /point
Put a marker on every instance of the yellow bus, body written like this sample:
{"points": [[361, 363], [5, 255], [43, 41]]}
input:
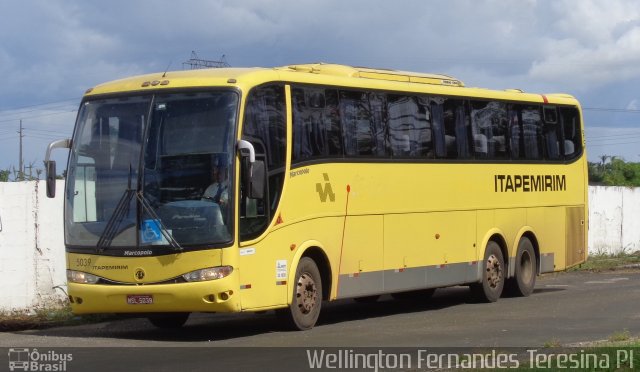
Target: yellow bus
{"points": [[253, 189]]}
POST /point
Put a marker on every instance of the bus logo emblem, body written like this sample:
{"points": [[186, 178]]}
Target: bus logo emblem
{"points": [[326, 191], [139, 274]]}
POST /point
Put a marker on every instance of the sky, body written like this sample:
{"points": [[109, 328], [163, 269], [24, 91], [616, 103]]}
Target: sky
{"points": [[51, 51]]}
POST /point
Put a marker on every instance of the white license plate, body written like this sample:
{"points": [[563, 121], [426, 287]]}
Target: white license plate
{"points": [[139, 299]]}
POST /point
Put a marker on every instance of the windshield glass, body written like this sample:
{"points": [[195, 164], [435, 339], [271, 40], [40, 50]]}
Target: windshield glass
{"points": [[179, 190]]}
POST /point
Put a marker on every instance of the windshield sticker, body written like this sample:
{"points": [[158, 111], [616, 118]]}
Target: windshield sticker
{"points": [[150, 232]]}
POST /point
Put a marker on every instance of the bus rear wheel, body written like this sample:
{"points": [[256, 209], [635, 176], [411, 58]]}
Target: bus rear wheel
{"points": [[492, 282], [169, 321], [524, 281], [305, 306]]}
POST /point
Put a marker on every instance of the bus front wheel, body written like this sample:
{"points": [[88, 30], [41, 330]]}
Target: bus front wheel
{"points": [[305, 306], [489, 289]]}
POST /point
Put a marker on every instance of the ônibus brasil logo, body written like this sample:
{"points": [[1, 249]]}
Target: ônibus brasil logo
{"points": [[25, 359]]}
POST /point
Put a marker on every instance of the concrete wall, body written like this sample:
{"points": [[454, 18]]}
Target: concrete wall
{"points": [[614, 220], [32, 262]]}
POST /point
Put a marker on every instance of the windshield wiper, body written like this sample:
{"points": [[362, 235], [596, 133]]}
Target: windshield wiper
{"points": [[111, 230], [122, 209]]}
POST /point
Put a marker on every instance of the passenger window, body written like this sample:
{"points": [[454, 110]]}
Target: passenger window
{"points": [[571, 133], [363, 124], [532, 132], [551, 132], [316, 123], [409, 130], [516, 140], [489, 128]]}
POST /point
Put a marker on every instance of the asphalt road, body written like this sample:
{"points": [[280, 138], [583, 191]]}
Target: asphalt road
{"points": [[565, 308]]}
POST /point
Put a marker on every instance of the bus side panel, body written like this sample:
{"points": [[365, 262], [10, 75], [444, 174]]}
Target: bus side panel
{"points": [[429, 249], [266, 266], [549, 222], [361, 269]]}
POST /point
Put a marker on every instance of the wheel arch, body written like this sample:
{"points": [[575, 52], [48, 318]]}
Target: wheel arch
{"points": [[314, 250], [496, 235]]}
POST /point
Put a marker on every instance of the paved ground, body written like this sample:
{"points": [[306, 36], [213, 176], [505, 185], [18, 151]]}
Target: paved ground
{"points": [[565, 308]]}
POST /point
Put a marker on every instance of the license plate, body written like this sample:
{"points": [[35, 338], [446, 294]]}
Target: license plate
{"points": [[139, 299]]}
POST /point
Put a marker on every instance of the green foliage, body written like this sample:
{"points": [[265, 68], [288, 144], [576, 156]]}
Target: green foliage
{"points": [[615, 172], [4, 175]]}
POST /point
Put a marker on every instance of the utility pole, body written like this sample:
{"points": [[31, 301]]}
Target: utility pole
{"points": [[21, 165]]}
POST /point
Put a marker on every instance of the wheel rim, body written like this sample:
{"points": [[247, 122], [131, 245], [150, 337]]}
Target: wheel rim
{"points": [[494, 271], [526, 267], [306, 293]]}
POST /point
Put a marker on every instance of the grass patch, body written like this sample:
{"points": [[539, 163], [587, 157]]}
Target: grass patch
{"points": [[552, 343], [620, 336], [44, 317], [605, 262]]}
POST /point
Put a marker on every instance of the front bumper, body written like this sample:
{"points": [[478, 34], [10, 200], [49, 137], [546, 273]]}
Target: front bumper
{"points": [[208, 296]]}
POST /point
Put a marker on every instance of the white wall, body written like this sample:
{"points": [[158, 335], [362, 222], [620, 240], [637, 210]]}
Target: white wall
{"points": [[32, 261], [614, 220]]}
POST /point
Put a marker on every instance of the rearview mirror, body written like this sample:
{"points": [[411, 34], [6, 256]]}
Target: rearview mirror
{"points": [[51, 178], [50, 165]]}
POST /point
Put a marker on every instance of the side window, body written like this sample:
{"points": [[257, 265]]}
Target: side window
{"points": [[456, 128], [532, 132], [516, 139], [363, 121], [489, 123], [552, 133], [316, 123], [572, 143], [409, 127], [436, 106], [265, 127]]}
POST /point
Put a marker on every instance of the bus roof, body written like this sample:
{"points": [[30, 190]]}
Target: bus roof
{"points": [[322, 74]]}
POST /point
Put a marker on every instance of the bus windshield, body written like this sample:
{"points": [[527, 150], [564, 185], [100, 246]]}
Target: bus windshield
{"points": [[148, 170]]}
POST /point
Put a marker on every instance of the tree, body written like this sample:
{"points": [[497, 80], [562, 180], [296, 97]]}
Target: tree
{"points": [[616, 172]]}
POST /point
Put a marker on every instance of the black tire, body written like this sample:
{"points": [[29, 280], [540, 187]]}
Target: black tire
{"points": [[417, 295], [367, 299], [306, 302], [524, 280], [169, 321], [493, 273]]}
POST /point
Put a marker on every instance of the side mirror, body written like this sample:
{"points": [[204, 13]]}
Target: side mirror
{"points": [[51, 165], [253, 171], [51, 178], [256, 181]]}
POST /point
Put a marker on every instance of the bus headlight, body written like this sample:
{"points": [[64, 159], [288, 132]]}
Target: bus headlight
{"points": [[80, 277], [210, 273]]}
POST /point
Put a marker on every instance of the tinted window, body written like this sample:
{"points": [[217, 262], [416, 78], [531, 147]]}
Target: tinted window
{"points": [[571, 135], [489, 127], [316, 123], [409, 129], [264, 127], [363, 123]]}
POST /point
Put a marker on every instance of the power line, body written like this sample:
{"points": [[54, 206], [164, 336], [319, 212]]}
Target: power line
{"points": [[38, 116], [39, 104], [607, 109]]}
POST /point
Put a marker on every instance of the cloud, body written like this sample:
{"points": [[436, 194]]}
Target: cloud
{"points": [[594, 43]]}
